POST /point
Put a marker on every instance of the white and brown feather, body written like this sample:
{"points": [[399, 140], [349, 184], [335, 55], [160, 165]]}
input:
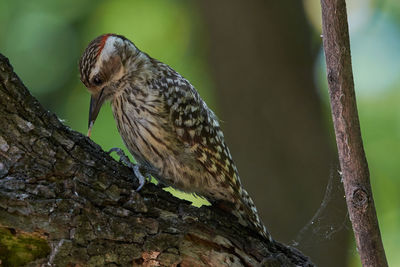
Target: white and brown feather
{"points": [[171, 131]]}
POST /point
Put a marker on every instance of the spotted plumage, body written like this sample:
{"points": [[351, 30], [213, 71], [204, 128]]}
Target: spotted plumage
{"points": [[165, 124]]}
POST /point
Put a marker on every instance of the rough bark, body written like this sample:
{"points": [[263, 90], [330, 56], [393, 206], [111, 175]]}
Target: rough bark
{"points": [[262, 62], [65, 202], [353, 163]]}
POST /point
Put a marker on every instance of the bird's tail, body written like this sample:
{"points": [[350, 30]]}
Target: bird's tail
{"points": [[248, 215]]}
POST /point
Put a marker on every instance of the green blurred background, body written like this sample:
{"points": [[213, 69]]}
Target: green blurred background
{"points": [[245, 59]]}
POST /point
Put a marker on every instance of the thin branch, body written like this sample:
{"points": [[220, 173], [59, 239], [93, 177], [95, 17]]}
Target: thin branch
{"points": [[352, 158]]}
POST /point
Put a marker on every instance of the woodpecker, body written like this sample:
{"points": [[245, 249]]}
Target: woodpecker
{"points": [[165, 124]]}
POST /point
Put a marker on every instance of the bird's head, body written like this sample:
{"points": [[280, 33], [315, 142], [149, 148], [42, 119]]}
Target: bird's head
{"points": [[102, 66]]}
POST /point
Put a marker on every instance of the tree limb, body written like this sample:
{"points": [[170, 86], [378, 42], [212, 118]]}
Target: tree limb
{"points": [[353, 163], [65, 202]]}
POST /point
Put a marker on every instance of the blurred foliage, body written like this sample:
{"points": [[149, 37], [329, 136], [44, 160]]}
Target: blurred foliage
{"points": [[44, 40]]}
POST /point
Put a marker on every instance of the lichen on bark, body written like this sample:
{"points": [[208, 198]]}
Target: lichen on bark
{"points": [[19, 248]]}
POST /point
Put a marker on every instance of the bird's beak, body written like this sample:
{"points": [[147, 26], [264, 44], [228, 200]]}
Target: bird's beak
{"points": [[96, 101]]}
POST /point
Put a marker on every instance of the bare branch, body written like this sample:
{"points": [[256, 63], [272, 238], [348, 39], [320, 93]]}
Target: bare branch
{"points": [[352, 158]]}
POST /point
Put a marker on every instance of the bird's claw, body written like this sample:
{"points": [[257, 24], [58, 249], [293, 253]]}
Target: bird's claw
{"points": [[135, 167], [122, 157], [141, 178]]}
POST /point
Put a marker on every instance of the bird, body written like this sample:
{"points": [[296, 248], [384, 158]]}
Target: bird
{"points": [[165, 124]]}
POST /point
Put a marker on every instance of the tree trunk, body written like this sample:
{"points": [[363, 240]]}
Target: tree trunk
{"points": [[65, 202], [271, 114]]}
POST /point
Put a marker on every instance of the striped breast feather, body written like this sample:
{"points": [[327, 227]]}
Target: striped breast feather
{"points": [[198, 127]]}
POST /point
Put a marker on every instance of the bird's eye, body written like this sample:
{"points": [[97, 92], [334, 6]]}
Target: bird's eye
{"points": [[97, 81]]}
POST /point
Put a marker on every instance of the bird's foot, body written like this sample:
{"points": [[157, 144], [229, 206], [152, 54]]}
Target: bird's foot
{"points": [[135, 167]]}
